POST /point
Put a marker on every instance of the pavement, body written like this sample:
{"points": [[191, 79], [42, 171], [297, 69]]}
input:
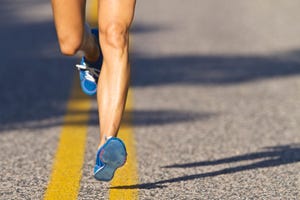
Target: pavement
{"points": [[216, 110]]}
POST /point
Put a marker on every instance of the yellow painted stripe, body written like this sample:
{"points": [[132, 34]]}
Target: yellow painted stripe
{"points": [[92, 14], [127, 175], [67, 167]]}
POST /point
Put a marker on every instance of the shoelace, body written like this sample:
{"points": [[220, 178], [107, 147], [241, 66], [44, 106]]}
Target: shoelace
{"points": [[90, 72]]}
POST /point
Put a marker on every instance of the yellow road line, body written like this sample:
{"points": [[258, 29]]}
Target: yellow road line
{"points": [[92, 14], [67, 167], [127, 175]]}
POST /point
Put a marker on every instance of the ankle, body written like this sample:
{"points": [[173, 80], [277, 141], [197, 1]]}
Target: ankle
{"points": [[102, 141]]}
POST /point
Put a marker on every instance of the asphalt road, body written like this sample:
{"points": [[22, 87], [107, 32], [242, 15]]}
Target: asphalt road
{"points": [[216, 100]]}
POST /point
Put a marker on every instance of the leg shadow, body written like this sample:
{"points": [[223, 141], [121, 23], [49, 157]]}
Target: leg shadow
{"points": [[273, 156]]}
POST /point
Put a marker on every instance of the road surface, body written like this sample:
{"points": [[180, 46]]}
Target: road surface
{"points": [[216, 93]]}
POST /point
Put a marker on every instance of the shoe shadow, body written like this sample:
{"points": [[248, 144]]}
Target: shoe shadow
{"points": [[269, 157]]}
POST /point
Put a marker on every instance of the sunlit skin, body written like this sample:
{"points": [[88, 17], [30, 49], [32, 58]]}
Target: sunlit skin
{"points": [[115, 18]]}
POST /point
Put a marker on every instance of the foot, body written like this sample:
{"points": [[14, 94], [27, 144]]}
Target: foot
{"points": [[89, 71], [110, 157]]}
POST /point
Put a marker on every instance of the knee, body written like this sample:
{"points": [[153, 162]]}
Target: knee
{"points": [[69, 44], [115, 35]]}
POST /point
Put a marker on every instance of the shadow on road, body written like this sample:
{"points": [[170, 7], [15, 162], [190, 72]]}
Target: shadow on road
{"points": [[269, 157], [37, 89], [211, 70], [140, 118]]}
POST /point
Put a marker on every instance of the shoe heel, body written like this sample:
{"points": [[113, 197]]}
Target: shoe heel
{"points": [[114, 154]]}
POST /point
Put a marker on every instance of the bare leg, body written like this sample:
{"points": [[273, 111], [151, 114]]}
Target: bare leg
{"points": [[73, 35], [115, 17]]}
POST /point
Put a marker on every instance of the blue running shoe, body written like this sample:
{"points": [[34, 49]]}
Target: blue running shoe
{"points": [[110, 157], [89, 71]]}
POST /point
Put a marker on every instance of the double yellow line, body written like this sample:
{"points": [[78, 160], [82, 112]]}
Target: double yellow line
{"points": [[66, 174]]}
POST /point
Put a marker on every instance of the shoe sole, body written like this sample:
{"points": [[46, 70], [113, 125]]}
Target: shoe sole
{"points": [[113, 155], [85, 90]]}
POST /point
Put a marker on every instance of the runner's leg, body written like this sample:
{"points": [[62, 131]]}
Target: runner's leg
{"points": [[115, 17], [73, 35]]}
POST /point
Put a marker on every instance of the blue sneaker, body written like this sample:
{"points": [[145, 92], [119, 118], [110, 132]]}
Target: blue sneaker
{"points": [[89, 71], [110, 157]]}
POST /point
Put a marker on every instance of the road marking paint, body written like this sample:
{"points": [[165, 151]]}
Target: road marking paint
{"points": [[92, 14], [67, 166], [128, 174]]}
